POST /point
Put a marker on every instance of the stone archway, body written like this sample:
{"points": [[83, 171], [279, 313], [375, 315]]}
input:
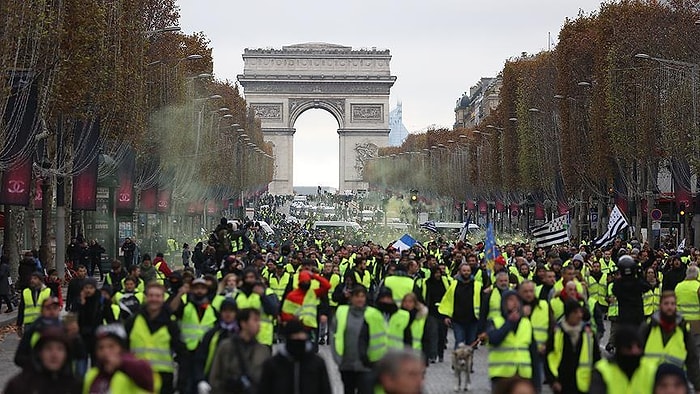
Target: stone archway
{"points": [[353, 85]]}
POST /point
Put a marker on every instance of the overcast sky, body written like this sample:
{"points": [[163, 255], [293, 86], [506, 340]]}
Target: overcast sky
{"points": [[439, 49]]}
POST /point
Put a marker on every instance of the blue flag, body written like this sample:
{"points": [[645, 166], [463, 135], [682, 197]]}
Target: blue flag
{"points": [[490, 252]]}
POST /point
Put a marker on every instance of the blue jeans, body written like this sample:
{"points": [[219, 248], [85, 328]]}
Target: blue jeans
{"points": [[464, 333]]}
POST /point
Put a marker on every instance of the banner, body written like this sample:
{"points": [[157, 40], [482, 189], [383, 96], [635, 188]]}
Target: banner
{"points": [[15, 184], [483, 207], [86, 137], [38, 194], [539, 211], [563, 207], [470, 205], [19, 119], [514, 209], [125, 201], [500, 206], [164, 201], [149, 200], [85, 188]]}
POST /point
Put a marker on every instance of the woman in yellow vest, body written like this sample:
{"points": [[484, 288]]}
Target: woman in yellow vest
{"points": [[116, 369], [418, 316], [651, 298], [572, 351]]}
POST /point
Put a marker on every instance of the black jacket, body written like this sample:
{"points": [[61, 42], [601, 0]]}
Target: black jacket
{"points": [[280, 375], [628, 290]]}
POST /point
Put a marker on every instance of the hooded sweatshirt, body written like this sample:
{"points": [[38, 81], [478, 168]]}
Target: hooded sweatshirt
{"points": [[148, 272]]}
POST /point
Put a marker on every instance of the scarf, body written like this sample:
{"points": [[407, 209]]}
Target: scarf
{"points": [[574, 332]]}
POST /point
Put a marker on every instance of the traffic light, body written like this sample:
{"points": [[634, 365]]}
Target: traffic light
{"points": [[682, 211], [414, 196]]}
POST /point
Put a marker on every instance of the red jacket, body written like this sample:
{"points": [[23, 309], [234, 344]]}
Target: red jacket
{"points": [[297, 295], [163, 267]]}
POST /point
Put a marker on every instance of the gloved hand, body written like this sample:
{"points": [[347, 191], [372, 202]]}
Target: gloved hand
{"points": [[203, 387]]}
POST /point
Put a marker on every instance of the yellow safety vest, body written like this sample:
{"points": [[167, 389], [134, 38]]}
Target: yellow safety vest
{"points": [[617, 382], [687, 299], [140, 285], [279, 286], [598, 290], [397, 324], [377, 346], [334, 281], [32, 309], [153, 347], [211, 352], [160, 277], [267, 328], [494, 304], [306, 313], [120, 383], [651, 300], [365, 280], [192, 328], [119, 295], [512, 356], [417, 330], [116, 312], [400, 286], [674, 352], [585, 358], [539, 318], [447, 304], [613, 308]]}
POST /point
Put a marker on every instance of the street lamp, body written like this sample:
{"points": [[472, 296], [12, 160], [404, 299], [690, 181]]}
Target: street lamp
{"points": [[163, 30]]}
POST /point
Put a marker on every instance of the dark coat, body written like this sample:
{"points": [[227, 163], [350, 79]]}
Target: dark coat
{"points": [[278, 375], [628, 290], [4, 276], [29, 381]]}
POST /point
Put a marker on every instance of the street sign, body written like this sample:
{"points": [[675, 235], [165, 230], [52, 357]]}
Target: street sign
{"points": [[656, 214], [656, 225], [594, 217]]}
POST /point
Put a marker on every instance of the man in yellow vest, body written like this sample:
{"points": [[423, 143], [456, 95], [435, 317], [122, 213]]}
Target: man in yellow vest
{"points": [[31, 301], [397, 320], [50, 318], [510, 337], [154, 337], [597, 286], [688, 300], [541, 319], [573, 350], [359, 340], [254, 294], [226, 327], [196, 313], [666, 339], [400, 284], [462, 307], [626, 371], [116, 368]]}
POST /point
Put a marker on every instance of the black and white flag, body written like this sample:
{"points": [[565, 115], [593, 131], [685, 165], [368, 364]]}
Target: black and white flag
{"points": [[616, 224], [430, 226], [552, 233]]}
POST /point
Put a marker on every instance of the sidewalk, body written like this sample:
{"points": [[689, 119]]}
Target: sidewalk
{"points": [[7, 319]]}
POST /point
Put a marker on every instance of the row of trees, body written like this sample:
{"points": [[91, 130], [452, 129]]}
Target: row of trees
{"points": [[121, 67], [597, 117]]}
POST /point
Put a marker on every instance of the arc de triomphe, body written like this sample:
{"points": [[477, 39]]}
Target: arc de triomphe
{"points": [[353, 85]]}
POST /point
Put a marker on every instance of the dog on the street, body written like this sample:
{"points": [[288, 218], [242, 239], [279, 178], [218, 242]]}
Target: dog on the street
{"points": [[462, 360]]}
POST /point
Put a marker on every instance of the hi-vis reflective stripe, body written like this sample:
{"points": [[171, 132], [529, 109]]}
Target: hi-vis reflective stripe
{"points": [[689, 307], [666, 358], [507, 349], [394, 337], [150, 350]]}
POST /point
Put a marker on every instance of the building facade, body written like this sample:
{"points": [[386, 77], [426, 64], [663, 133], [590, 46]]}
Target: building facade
{"points": [[478, 103]]}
